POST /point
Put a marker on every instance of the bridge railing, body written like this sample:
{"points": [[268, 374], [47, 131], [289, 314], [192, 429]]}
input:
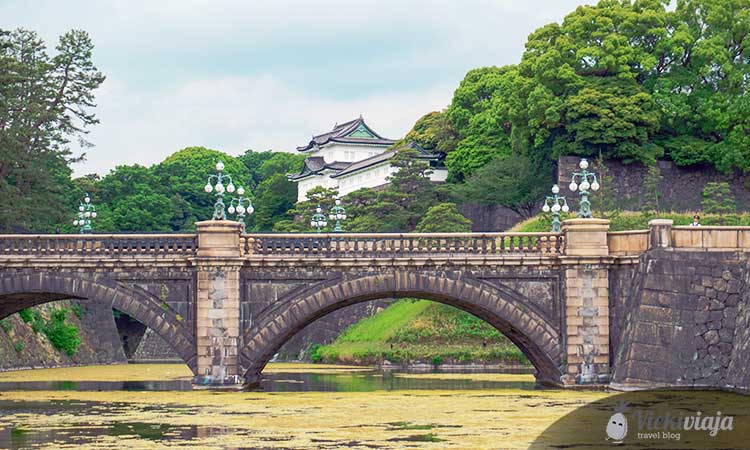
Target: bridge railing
{"points": [[711, 237], [393, 245], [40, 245]]}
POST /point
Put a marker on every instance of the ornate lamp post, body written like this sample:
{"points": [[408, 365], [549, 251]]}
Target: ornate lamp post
{"points": [[86, 212], [586, 180], [558, 203], [219, 178], [318, 219], [241, 205], [338, 213]]}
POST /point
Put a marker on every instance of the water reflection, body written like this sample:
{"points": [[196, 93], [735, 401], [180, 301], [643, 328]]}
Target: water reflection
{"points": [[331, 381], [375, 381]]}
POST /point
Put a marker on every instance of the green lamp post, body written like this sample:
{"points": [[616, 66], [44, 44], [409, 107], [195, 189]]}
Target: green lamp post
{"points": [[555, 203], [86, 212], [241, 206], [218, 179], [584, 180], [338, 213], [318, 219]]}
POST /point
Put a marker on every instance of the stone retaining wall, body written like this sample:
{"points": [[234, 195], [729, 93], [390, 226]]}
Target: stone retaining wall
{"points": [[686, 322]]}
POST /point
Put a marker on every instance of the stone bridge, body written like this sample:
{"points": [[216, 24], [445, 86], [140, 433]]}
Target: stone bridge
{"points": [[227, 302]]}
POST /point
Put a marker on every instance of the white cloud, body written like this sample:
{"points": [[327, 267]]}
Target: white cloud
{"points": [[232, 74], [233, 114]]}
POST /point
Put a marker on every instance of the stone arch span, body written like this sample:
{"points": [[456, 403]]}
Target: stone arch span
{"points": [[511, 314], [25, 289]]}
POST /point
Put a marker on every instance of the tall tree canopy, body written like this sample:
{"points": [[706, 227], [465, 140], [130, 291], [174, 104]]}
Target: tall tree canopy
{"points": [[45, 103]]}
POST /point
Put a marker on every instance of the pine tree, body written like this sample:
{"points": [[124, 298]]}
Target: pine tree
{"points": [[718, 199], [651, 193]]}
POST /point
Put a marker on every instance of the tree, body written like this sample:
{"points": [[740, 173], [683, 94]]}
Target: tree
{"points": [[274, 196], [143, 213], [718, 199], [513, 181], [45, 103], [444, 217], [185, 172], [651, 192]]}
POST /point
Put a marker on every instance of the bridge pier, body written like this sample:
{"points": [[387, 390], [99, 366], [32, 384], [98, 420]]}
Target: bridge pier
{"points": [[218, 265], [586, 273]]}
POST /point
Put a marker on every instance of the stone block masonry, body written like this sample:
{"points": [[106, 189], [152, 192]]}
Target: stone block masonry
{"points": [[686, 323]]}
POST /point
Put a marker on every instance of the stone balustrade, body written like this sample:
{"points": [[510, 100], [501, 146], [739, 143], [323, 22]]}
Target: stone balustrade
{"points": [[394, 245], [61, 245]]}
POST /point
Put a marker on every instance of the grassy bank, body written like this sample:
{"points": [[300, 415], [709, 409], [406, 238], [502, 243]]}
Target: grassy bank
{"points": [[412, 331]]}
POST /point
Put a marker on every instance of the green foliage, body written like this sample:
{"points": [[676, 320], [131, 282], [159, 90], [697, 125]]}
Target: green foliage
{"points": [[651, 192], [626, 80], [18, 347], [62, 335], [718, 199], [6, 325], [315, 353], [46, 103], [513, 181], [408, 330], [443, 217], [77, 310]]}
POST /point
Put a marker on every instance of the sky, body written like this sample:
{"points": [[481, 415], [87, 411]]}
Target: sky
{"points": [[266, 75]]}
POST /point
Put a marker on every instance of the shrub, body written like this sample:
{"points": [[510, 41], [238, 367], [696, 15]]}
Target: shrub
{"points": [[18, 347], [77, 310], [5, 325], [315, 355], [62, 335]]}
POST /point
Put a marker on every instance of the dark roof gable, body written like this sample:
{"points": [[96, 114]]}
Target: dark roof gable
{"points": [[352, 132]]}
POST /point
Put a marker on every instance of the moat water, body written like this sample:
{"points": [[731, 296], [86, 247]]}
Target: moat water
{"points": [[312, 406]]}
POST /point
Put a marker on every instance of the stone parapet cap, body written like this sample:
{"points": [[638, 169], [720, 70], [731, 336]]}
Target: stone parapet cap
{"points": [[586, 224], [583, 259], [218, 226], [660, 222]]}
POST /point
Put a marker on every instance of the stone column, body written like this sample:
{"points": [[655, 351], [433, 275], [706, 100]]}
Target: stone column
{"points": [[218, 265], [660, 233], [586, 268]]}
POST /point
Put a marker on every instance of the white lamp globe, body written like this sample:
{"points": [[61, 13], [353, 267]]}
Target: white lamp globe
{"points": [[573, 186], [555, 189], [241, 209], [585, 185], [87, 214], [240, 191], [230, 188], [93, 214], [219, 188], [75, 223], [331, 216], [556, 207], [80, 208], [318, 210], [545, 208], [323, 223], [338, 202], [343, 217], [339, 216], [231, 209], [584, 164], [250, 209], [565, 208], [595, 186], [87, 199], [313, 223], [219, 166], [208, 188]]}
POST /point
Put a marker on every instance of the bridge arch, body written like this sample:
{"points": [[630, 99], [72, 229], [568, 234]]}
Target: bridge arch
{"points": [[537, 337], [25, 289]]}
